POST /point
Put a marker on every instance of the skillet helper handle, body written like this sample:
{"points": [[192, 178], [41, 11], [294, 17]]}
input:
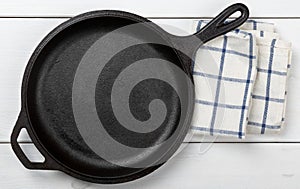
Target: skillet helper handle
{"points": [[218, 26], [23, 123]]}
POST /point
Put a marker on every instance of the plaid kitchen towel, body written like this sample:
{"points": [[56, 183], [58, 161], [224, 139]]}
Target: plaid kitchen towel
{"points": [[267, 114], [223, 92], [224, 74], [269, 93]]}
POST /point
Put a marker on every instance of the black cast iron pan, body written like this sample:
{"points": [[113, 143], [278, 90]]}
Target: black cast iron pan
{"points": [[107, 96]]}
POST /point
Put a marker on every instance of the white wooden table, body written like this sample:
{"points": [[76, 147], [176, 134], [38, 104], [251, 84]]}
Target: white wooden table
{"points": [[257, 162]]}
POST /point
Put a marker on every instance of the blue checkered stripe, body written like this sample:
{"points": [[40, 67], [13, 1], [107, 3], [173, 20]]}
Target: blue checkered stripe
{"points": [[241, 106]]}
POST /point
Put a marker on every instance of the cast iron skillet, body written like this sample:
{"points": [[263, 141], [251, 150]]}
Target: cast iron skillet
{"points": [[58, 116]]}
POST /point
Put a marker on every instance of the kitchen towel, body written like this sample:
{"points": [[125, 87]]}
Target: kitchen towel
{"points": [[224, 74], [227, 89], [269, 92]]}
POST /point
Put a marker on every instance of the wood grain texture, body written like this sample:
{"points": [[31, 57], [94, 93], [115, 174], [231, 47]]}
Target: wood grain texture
{"points": [[19, 37], [237, 166], [154, 8]]}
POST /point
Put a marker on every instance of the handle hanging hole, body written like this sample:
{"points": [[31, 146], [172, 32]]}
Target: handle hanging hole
{"points": [[29, 149], [237, 14], [232, 17]]}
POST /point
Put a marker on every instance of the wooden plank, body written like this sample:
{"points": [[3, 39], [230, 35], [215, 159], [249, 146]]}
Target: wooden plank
{"points": [[19, 37], [155, 8], [221, 166]]}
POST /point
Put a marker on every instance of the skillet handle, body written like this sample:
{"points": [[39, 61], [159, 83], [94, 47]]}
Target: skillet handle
{"points": [[217, 26], [22, 123]]}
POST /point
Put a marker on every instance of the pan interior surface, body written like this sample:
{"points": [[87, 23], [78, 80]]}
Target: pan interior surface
{"points": [[51, 112]]}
